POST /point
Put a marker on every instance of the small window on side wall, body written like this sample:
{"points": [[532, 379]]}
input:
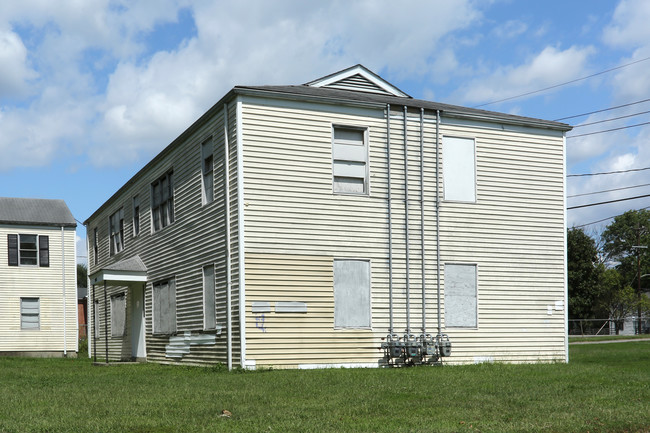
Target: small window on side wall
{"points": [[207, 178], [349, 160], [352, 307], [136, 215], [162, 201], [459, 169], [30, 313], [116, 230]]}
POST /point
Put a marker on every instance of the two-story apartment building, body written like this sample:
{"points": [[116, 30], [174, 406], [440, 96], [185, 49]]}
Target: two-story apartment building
{"points": [[337, 223], [38, 278]]}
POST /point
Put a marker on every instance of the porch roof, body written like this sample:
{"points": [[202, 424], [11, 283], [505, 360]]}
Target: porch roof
{"points": [[124, 272]]}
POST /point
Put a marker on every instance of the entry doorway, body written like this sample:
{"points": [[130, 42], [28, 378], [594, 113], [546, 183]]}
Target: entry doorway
{"points": [[138, 343]]}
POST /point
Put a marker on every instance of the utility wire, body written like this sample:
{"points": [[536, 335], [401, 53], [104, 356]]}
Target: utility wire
{"points": [[605, 219], [608, 172], [608, 190], [563, 84], [609, 130], [610, 120], [600, 111], [607, 202]]}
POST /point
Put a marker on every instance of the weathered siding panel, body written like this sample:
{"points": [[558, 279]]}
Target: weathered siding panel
{"points": [[514, 233], [179, 251], [45, 283]]}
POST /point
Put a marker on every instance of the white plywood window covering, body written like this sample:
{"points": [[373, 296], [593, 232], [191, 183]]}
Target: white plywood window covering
{"points": [[30, 313], [461, 296], [459, 169], [164, 307], [349, 160], [118, 315], [209, 306], [207, 180], [352, 307]]}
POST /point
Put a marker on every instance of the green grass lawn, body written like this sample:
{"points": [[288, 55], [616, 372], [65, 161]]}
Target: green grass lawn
{"points": [[605, 388]]}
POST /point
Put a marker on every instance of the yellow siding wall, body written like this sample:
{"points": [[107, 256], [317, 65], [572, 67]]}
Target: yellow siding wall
{"points": [[45, 283], [295, 227]]}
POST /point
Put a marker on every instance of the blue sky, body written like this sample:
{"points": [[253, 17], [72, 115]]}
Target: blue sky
{"points": [[91, 91]]}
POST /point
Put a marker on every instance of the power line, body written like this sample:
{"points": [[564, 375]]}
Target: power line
{"points": [[607, 202], [608, 190], [563, 84], [610, 120], [605, 219], [600, 111], [608, 172], [609, 130]]}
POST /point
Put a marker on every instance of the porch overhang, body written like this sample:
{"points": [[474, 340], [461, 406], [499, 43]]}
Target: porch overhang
{"points": [[122, 273]]}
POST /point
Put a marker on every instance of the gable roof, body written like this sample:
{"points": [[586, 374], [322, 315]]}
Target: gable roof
{"points": [[360, 79], [35, 211]]}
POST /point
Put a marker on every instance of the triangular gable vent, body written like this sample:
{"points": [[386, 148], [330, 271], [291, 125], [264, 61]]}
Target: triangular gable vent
{"points": [[358, 79]]}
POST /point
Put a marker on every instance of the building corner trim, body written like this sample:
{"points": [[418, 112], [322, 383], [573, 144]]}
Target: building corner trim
{"points": [[241, 233]]}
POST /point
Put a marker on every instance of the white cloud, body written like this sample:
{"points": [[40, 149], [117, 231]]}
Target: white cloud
{"points": [[101, 89], [15, 71], [510, 29], [629, 25], [549, 67]]}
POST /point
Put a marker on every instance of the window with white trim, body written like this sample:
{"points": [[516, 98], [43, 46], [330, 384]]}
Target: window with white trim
{"points": [[30, 313], [459, 169], [118, 315], [162, 201], [28, 250], [164, 307], [349, 160], [352, 294], [209, 305], [116, 231], [460, 296], [207, 178]]}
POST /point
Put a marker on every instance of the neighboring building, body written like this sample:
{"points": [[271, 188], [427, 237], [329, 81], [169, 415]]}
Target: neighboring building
{"points": [[272, 232], [38, 278], [82, 311]]}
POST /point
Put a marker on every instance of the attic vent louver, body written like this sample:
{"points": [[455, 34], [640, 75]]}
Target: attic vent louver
{"points": [[358, 83]]}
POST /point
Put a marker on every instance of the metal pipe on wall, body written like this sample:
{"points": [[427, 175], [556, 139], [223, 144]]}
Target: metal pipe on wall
{"points": [[406, 225], [438, 216], [226, 156], [390, 226], [424, 303]]}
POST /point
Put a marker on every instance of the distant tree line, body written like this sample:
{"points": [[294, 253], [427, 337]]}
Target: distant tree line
{"points": [[608, 274]]}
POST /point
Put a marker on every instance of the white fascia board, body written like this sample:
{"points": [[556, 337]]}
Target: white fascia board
{"points": [[114, 277]]}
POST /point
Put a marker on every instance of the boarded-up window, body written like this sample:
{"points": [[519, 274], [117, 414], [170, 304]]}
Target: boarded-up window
{"points": [[207, 181], [30, 311], [352, 294], [118, 315], [460, 296], [164, 307], [209, 308], [458, 169], [349, 161], [96, 325]]}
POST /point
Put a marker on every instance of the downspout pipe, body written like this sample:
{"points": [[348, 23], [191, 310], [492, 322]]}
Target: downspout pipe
{"points": [[94, 326], [65, 348], [406, 225], [106, 321], [424, 302], [226, 155], [390, 225], [438, 218]]}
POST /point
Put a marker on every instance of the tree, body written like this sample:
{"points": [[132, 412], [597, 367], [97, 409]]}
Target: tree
{"points": [[626, 240], [82, 275], [584, 274]]}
